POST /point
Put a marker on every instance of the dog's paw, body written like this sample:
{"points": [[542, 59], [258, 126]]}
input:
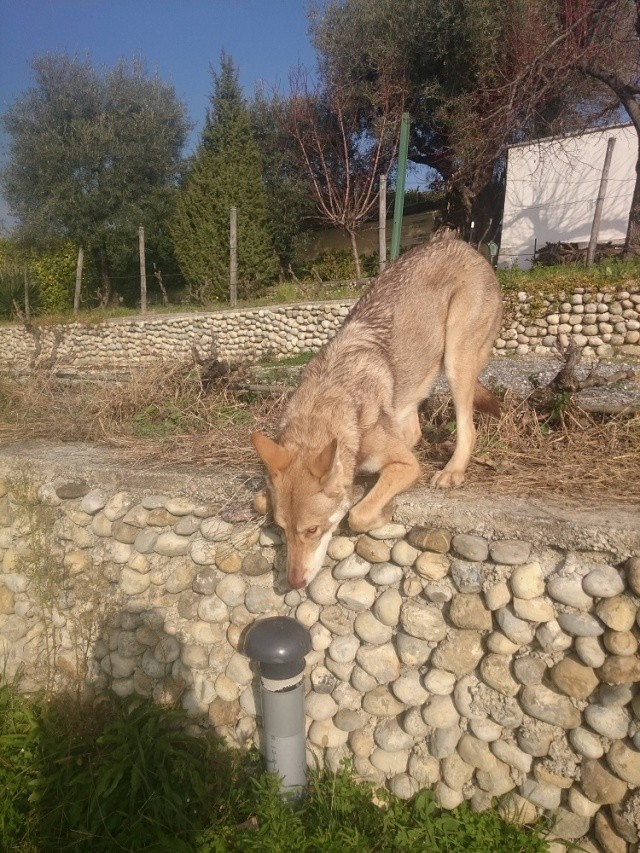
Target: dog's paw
{"points": [[357, 522], [361, 521], [261, 503], [447, 479]]}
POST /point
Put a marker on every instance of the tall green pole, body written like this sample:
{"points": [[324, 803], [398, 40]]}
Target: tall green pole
{"points": [[398, 207]]}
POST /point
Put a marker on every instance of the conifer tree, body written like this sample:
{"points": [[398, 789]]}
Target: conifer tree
{"points": [[226, 172]]}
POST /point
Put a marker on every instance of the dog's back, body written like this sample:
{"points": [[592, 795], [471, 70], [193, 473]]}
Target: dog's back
{"points": [[440, 290]]}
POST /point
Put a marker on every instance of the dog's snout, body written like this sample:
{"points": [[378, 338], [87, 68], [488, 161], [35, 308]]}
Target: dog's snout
{"points": [[296, 581]]}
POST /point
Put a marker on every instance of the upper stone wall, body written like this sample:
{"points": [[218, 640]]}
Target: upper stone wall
{"points": [[601, 323]]}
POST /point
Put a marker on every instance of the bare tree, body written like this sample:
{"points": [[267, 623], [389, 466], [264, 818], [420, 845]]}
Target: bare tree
{"points": [[346, 139]]}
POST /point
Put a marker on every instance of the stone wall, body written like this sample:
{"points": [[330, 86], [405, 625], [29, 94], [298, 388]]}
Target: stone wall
{"points": [[484, 649], [601, 323]]}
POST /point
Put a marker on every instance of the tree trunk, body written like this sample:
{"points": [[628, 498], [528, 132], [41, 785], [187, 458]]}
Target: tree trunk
{"points": [[632, 241], [356, 256]]}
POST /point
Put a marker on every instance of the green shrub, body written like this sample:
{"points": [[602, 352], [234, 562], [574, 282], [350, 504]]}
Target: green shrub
{"points": [[54, 272], [134, 782], [335, 265]]}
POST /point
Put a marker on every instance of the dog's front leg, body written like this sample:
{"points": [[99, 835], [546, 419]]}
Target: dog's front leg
{"points": [[399, 471]]}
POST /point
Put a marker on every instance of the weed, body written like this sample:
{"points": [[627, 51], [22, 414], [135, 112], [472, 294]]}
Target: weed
{"points": [[41, 560], [158, 421], [340, 814], [559, 408], [53, 587], [231, 413]]}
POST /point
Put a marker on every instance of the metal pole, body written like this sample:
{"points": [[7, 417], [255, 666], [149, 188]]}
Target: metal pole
{"points": [[233, 257], [398, 208], [143, 271], [382, 225], [279, 645], [602, 192]]}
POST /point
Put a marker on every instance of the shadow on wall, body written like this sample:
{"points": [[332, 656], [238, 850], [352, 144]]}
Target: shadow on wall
{"points": [[141, 652]]}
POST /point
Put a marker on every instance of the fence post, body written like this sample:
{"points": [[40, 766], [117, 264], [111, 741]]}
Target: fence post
{"points": [[27, 305], [76, 294], [382, 225], [143, 271], [602, 192], [233, 257]]}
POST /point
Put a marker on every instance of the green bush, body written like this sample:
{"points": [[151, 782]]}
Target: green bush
{"points": [[137, 783], [338, 265], [54, 272]]}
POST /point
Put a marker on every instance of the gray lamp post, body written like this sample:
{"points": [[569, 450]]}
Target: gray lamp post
{"points": [[279, 645]]}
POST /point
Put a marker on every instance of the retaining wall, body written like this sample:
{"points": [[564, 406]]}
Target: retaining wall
{"points": [[602, 324], [483, 647]]}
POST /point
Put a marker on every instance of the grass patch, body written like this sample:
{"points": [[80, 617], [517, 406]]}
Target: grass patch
{"points": [[122, 774], [288, 361], [162, 412], [284, 293], [552, 281]]}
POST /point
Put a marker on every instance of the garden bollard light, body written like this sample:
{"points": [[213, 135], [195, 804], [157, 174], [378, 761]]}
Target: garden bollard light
{"points": [[279, 645]]}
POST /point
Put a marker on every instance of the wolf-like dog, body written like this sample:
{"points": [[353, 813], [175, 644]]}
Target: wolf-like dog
{"points": [[438, 307]]}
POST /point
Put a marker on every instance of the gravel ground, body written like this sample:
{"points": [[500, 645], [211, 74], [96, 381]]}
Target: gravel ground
{"points": [[524, 373]]}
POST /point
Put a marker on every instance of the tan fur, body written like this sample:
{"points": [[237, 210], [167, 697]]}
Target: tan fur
{"points": [[436, 308]]}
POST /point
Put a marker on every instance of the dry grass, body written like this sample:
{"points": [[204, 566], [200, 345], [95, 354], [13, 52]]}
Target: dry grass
{"points": [[568, 451], [164, 413], [167, 415]]}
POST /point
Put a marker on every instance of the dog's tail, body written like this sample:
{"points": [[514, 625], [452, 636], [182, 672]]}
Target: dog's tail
{"points": [[486, 401]]}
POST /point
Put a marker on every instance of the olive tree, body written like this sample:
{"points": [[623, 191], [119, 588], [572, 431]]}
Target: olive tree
{"points": [[93, 154]]}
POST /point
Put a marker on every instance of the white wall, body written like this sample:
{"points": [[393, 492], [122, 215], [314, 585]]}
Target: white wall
{"points": [[552, 186]]}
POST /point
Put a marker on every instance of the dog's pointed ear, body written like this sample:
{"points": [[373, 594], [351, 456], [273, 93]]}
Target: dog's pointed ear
{"points": [[275, 457], [322, 465]]}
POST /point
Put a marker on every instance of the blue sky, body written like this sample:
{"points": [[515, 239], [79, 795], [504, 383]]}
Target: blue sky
{"points": [[178, 39]]}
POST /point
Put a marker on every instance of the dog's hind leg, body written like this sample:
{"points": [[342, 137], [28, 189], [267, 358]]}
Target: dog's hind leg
{"points": [[453, 472], [464, 358]]}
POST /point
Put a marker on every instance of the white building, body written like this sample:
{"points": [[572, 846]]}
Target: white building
{"points": [[552, 187]]}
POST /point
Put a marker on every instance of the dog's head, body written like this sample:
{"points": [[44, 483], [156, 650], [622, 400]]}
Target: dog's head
{"points": [[309, 498]]}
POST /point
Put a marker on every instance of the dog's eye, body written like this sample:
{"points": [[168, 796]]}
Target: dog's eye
{"points": [[311, 531]]}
